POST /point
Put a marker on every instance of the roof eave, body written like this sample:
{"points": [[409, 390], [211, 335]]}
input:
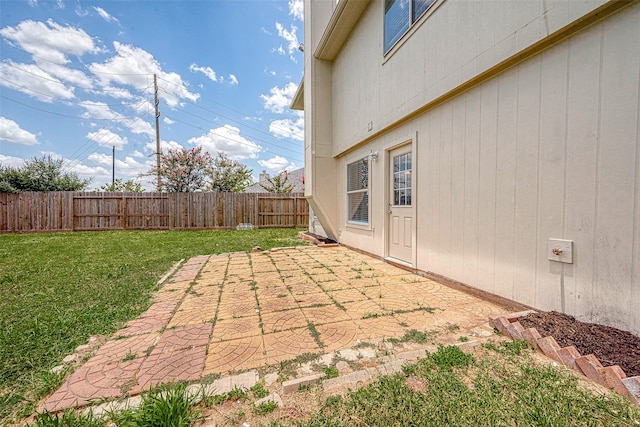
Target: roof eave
{"points": [[297, 103], [342, 22]]}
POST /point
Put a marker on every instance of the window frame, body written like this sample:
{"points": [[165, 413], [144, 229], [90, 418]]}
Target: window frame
{"points": [[402, 188], [366, 191], [412, 22]]}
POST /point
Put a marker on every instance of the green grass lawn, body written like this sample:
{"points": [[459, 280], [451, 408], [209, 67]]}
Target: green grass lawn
{"points": [[57, 289]]}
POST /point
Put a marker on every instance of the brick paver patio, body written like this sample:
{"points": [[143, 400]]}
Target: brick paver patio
{"points": [[239, 311]]}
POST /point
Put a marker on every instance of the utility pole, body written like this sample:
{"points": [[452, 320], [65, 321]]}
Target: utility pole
{"points": [[113, 167], [157, 104]]}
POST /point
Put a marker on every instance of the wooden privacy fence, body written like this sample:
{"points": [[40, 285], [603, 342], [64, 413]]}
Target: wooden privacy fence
{"points": [[80, 211]]}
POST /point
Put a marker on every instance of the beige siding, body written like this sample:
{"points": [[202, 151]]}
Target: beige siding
{"points": [[547, 149], [454, 43]]}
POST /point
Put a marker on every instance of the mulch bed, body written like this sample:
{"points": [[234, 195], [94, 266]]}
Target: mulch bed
{"points": [[610, 345]]}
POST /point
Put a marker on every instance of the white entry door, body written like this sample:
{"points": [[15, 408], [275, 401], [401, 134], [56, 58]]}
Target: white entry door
{"points": [[400, 234]]}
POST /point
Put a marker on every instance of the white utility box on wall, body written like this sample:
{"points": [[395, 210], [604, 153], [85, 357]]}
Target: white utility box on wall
{"points": [[560, 250]]}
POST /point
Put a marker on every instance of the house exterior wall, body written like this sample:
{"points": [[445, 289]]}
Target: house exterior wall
{"points": [[544, 147]]}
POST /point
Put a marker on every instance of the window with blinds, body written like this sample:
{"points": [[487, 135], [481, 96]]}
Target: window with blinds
{"points": [[358, 191]]}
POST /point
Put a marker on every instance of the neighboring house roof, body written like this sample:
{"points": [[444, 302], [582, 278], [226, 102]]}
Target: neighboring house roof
{"points": [[296, 178]]}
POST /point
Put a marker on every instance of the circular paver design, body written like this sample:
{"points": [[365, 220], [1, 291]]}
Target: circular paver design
{"points": [[234, 355], [452, 297], [166, 295], [192, 316], [282, 320], [179, 365], [207, 306], [289, 344], [143, 325], [160, 309], [275, 303], [207, 291], [326, 314], [359, 309], [334, 285], [313, 299], [237, 295], [229, 329], [116, 350], [92, 381], [348, 295], [308, 307], [379, 328], [338, 335], [244, 309], [183, 337]]}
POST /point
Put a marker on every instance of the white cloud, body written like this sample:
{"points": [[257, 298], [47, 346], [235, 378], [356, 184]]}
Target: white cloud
{"points": [[139, 126], [276, 163], [132, 66], [280, 98], [115, 92], [80, 11], [50, 41], [290, 37], [296, 9], [212, 75], [167, 120], [12, 132], [228, 140], [107, 138], [102, 111], [11, 161], [207, 71], [69, 75], [129, 167], [98, 111], [105, 15], [165, 146], [138, 154], [287, 128], [33, 81]]}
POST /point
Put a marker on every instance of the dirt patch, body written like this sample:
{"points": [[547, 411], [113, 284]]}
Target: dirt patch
{"points": [[610, 345]]}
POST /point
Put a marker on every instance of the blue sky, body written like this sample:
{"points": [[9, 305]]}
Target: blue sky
{"points": [[76, 79]]}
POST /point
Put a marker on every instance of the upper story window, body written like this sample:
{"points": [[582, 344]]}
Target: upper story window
{"points": [[358, 191], [398, 17]]}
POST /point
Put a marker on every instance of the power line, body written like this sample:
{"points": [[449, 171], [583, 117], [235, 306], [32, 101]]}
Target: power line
{"points": [[212, 122], [56, 63], [120, 118], [235, 140], [84, 148], [53, 112], [240, 123], [66, 83], [222, 105]]}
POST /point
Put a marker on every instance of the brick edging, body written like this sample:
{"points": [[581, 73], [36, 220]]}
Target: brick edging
{"points": [[612, 377]]}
